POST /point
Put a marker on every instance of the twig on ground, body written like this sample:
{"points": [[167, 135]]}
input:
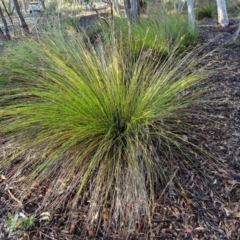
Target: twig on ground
{"points": [[14, 198], [171, 179]]}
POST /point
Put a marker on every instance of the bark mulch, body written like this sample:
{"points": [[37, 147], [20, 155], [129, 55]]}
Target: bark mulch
{"points": [[200, 212]]}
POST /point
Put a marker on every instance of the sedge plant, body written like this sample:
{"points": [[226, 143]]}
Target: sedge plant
{"points": [[206, 10], [100, 129], [160, 31]]}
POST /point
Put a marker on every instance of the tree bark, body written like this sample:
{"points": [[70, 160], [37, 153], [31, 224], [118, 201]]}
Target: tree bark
{"points": [[116, 6], [43, 3], [2, 36], [222, 13], [191, 14], [132, 9], [9, 16], [23, 24], [5, 24]]}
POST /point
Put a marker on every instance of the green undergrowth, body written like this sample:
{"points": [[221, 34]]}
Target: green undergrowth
{"points": [[206, 10], [72, 22], [162, 34], [16, 47], [233, 6], [160, 31], [100, 129]]}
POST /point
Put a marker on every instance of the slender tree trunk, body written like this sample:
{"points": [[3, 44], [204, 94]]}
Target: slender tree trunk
{"points": [[191, 14], [9, 6], [116, 6], [178, 5], [25, 5], [127, 6], [175, 5], [5, 24], [12, 11], [43, 4], [222, 13], [2, 36], [181, 5], [132, 9], [9, 16], [23, 24]]}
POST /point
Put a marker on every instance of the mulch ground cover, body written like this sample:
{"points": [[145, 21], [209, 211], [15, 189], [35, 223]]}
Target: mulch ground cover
{"points": [[201, 211]]}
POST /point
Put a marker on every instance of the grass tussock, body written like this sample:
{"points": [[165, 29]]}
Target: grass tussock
{"points": [[207, 10], [160, 31], [100, 129]]}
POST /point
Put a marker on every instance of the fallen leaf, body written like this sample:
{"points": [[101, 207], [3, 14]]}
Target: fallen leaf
{"points": [[36, 185], [233, 182], [72, 227], [227, 212], [237, 215], [199, 229], [141, 225], [188, 228], [90, 231], [3, 177]]}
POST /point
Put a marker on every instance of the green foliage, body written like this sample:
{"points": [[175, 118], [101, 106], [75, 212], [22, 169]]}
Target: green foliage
{"points": [[160, 31], [18, 223], [52, 6], [101, 127], [233, 6], [70, 22], [206, 11]]}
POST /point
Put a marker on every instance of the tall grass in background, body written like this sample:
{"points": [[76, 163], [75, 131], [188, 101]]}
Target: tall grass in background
{"points": [[207, 10], [99, 128], [160, 31]]}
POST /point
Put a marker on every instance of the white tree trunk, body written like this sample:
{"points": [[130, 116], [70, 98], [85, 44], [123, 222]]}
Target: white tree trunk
{"points": [[116, 6], [222, 13], [175, 5], [191, 14]]}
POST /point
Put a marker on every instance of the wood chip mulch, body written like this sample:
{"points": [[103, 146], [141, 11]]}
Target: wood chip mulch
{"points": [[198, 213]]}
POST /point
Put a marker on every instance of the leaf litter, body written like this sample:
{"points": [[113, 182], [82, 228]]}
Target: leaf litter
{"points": [[197, 212]]}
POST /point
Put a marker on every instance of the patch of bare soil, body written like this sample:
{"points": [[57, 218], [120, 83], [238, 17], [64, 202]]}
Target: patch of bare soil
{"points": [[200, 212]]}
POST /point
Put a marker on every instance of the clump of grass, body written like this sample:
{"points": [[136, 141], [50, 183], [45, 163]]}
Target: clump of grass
{"points": [[206, 11], [99, 128], [160, 31], [70, 22], [233, 6]]}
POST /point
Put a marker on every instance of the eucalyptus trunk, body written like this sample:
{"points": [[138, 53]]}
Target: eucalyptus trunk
{"points": [[5, 24], [132, 9], [191, 14], [2, 36], [116, 6], [222, 13], [23, 23], [43, 3], [9, 16]]}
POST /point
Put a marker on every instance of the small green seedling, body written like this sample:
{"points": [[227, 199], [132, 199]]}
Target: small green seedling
{"points": [[18, 222]]}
